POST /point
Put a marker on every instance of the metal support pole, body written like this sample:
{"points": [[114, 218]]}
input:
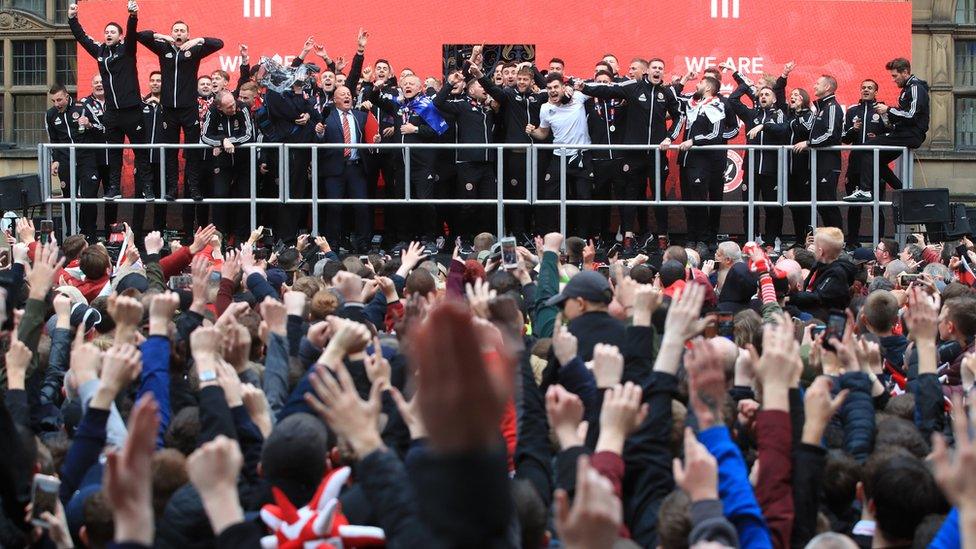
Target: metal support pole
{"points": [[813, 188], [657, 176], [500, 190], [162, 171], [253, 206], [315, 193], [562, 194], [751, 191], [406, 174], [73, 186], [284, 165], [875, 237], [531, 181]]}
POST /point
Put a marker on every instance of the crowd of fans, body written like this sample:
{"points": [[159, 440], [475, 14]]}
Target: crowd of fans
{"points": [[505, 102], [233, 396]]}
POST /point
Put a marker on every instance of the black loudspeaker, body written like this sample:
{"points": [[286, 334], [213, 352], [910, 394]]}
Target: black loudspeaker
{"points": [[20, 191], [921, 206], [971, 216], [958, 225]]}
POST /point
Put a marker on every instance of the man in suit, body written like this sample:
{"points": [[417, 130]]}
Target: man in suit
{"points": [[341, 171]]}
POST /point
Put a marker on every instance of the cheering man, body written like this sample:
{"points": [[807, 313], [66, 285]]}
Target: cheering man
{"points": [[116, 58], [826, 130], [909, 123], [861, 124], [179, 61]]}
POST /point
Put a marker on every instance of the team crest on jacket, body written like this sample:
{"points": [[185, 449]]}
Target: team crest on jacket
{"points": [[187, 53], [642, 97], [660, 96], [169, 55], [74, 116], [733, 172], [876, 117]]}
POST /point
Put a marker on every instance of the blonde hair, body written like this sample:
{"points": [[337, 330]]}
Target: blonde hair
{"points": [[830, 238]]}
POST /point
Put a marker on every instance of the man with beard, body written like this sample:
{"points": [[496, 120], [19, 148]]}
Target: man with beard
{"points": [[826, 131], [564, 117], [196, 215], [95, 104], [606, 119], [417, 122], [179, 61], [862, 123], [153, 117], [322, 94], [649, 103], [764, 126], [116, 59], [67, 121], [909, 123], [519, 108], [476, 171], [341, 171], [384, 161], [702, 170]]}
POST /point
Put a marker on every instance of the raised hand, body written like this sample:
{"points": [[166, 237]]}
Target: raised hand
{"points": [[683, 321], [698, 476], [410, 412], [706, 382], [595, 515], [819, 407], [201, 238], [161, 311], [153, 242], [377, 368], [348, 337], [41, 273], [955, 474], [564, 345], [608, 365], [565, 412], [18, 358], [127, 482], [338, 404], [621, 415], [480, 295], [361, 40]]}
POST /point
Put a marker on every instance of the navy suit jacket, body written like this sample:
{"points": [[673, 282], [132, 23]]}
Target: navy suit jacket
{"points": [[331, 160]]}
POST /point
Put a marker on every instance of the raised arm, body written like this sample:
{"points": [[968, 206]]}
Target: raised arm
{"points": [[86, 42], [131, 30]]}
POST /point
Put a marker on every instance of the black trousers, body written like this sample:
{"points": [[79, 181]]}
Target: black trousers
{"points": [[476, 180], [86, 185], [799, 191], [293, 216], [382, 163], [139, 210], [233, 180], [827, 178], [638, 174], [186, 119], [197, 214], [702, 179], [885, 173], [854, 213], [121, 124], [608, 181], [767, 187], [517, 217], [579, 186], [351, 183]]}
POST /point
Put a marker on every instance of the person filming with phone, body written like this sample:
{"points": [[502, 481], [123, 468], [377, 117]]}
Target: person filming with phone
{"points": [[828, 284]]}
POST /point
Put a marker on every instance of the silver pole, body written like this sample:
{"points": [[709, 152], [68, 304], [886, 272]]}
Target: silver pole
{"points": [[162, 171], [500, 189], [751, 215], [284, 168], [73, 185], [253, 206], [562, 194], [315, 194], [875, 237], [531, 175], [813, 188], [406, 173], [657, 176]]}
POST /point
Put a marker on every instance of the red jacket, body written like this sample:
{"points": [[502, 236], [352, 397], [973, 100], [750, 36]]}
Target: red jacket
{"points": [[775, 487]]}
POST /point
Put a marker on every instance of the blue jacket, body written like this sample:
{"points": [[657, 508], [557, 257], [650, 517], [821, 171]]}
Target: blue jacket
{"points": [[738, 499], [948, 536], [155, 378]]}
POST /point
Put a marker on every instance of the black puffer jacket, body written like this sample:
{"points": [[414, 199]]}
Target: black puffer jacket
{"points": [[828, 286], [857, 415]]}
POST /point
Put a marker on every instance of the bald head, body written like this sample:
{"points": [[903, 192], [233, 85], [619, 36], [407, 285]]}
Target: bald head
{"points": [[227, 103], [831, 540], [342, 98]]}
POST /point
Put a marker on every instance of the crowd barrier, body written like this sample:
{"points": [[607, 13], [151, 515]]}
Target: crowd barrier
{"points": [[904, 168]]}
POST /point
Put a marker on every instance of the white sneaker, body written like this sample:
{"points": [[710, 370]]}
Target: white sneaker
{"points": [[858, 196], [777, 245]]}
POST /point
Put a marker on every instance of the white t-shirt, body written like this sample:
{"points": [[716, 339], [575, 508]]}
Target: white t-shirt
{"points": [[567, 123]]}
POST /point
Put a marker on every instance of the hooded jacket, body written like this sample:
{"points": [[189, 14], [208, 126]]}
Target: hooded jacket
{"points": [[827, 287]]}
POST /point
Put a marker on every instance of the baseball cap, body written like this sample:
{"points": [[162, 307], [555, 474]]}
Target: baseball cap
{"points": [[589, 285], [862, 255]]}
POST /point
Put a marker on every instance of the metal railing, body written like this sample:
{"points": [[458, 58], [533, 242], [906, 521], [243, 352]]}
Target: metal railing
{"points": [[905, 169]]}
